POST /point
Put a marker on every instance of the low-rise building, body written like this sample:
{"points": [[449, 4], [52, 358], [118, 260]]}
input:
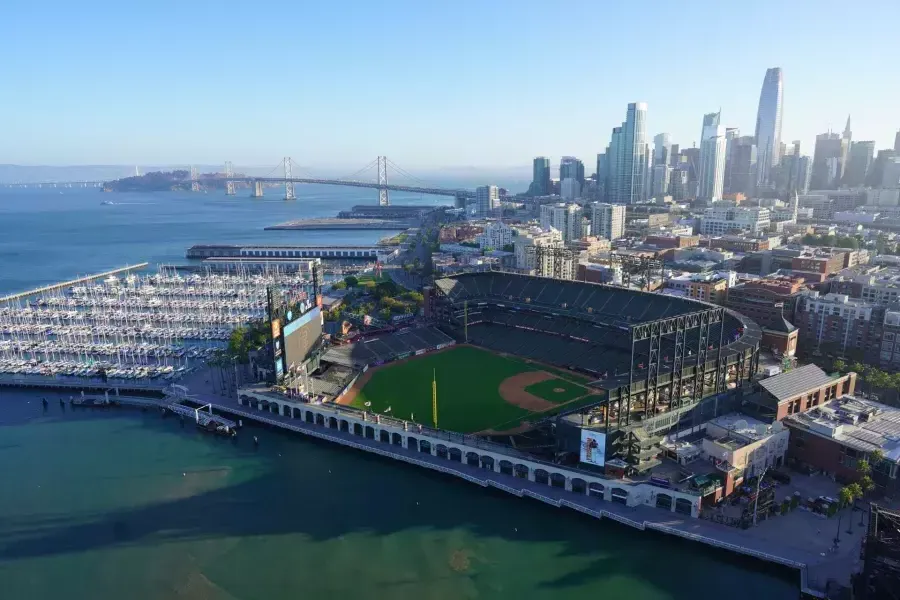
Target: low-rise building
{"points": [[672, 241], [815, 264], [722, 220], [836, 435], [797, 391]]}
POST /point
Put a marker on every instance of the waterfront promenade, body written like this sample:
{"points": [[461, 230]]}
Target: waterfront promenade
{"points": [[800, 541]]}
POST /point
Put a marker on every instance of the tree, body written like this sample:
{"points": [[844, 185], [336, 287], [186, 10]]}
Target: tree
{"points": [[855, 490], [846, 495], [863, 467], [866, 484], [839, 365], [351, 281], [875, 457]]}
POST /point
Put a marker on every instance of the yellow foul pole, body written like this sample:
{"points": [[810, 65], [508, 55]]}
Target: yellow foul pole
{"points": [[434, 397]]}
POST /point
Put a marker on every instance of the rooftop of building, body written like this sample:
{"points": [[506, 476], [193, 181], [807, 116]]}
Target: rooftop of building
{"points": [[795, 382], [832, 298], [859, 423]]}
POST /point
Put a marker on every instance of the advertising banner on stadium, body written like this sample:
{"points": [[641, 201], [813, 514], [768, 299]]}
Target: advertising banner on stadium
{"points": [[421, 352], [593, 448]]}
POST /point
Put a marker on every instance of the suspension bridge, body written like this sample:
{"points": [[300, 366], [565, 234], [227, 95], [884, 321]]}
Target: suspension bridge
{"points": [[289, 174]]}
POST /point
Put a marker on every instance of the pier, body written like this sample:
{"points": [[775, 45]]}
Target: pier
{"points": [[65, 284], [327, 423]]}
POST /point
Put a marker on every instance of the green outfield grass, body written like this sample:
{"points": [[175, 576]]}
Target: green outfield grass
{"points": [[545, 390], [468, 381]]}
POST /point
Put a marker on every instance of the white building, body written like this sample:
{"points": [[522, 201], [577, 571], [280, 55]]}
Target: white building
{"points": [[883, 197], [721, 220], [496, 235], [567, 218], [608, 220], [487, 198], [662, 173], [569, 189], [712, 164], [525, 242]]}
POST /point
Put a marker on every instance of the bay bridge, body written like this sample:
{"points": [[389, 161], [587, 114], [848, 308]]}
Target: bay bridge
{"points": [[289, 174]]}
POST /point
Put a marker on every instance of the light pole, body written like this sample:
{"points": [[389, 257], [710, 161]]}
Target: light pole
{"points": [[756, 500]]}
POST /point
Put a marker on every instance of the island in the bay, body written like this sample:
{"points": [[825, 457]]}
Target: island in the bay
{"points": [[164, 181]]}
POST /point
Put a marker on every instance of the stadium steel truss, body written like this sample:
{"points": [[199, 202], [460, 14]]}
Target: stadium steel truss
{"points": [[880, 576], [657, 357]]}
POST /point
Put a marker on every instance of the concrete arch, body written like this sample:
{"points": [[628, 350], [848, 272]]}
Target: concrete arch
{"points": [[487, 462], [441, 451], [521, 471], [384, 436], [541, 476], [344, 425], [333, 422], [455, 454], [425, 446], [619, 495], [287, 411], [369, 432], [558, 480], [275, 408], [684, 506], [579, 485], [412, 443], [664, 501], [244, 399], [320, 419], [357, 429], [310, 417], [596, 490], [264, 405], [472, 459], [506, 467], [396, 439]]}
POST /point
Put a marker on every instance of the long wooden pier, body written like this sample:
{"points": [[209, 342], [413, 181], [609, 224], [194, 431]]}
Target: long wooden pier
{"points": [[65, 284]]}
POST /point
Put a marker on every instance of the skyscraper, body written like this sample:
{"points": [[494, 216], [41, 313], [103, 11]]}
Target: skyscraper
{"points": [[602, 175], [741, 166], [662, 147], [768, 123], [859, 162], [876, 173], [897, 143], [828, 161], [712, 158], [540, 179], [571, 168], [487, 198], [632, 156], [614, 166], [567, 218]]}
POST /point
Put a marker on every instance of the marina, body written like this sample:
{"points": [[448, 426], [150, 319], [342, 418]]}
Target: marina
{"points": [[149, 329]]}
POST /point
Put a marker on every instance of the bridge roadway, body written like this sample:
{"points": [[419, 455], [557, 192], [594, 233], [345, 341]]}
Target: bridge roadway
{"points": [[433, 191], [767, 542]]}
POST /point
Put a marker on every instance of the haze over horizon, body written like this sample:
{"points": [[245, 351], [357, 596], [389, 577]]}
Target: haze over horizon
{"points": [[472, 84]]}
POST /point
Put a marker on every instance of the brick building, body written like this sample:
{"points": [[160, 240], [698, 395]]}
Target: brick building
{"points": [[816, 265], [837, 325], [767, 300], [672, 241], [798, 391], [836, 435]]}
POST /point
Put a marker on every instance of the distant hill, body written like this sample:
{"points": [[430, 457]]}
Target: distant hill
{"points": [[155, 181]]}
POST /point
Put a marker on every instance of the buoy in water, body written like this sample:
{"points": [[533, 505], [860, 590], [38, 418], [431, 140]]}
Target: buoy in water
{"points": [[255, 440]]}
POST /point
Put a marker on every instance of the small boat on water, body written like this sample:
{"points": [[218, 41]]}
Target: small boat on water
{"points": [[106, 202]]}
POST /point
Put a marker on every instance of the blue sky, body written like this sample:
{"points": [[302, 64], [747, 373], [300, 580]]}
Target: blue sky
{"points": [[429, 84]]}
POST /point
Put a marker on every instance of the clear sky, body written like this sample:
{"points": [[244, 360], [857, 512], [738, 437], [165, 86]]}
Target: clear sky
{"points": [[427, 83]]}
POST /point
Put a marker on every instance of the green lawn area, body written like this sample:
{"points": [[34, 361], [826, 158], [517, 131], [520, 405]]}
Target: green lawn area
{"points": [[546, 390], [468, 381]]}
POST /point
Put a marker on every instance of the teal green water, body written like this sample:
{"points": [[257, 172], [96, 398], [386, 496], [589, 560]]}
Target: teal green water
{"points": [[122, 504]]}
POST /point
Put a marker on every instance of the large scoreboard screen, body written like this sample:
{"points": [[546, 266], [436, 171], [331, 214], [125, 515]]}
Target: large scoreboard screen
{"points": [[296, 326], [300, 336]]}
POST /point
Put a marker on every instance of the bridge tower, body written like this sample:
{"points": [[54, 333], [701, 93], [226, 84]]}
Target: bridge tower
{"points": [[257, 189], [383, 198], [229, 184], [288, 180], [195, 184]]}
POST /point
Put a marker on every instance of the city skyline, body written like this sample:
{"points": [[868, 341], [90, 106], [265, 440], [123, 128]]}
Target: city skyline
{"points": [[101, 87]]}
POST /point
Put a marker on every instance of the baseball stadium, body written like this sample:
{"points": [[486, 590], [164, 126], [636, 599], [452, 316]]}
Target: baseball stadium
{"points": [[504, 354]]}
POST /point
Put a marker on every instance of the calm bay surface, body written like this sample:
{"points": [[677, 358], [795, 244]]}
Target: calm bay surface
{"points": [[122, 503]]}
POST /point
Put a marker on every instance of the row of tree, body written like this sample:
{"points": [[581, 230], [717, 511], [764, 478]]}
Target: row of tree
{"points": [[857, 490], [875, 379]]}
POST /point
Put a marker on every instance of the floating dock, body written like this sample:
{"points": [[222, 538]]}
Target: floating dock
{"points": [[70, 283]]}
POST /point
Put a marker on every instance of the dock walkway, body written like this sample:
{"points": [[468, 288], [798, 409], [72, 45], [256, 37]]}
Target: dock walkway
{"points": [[815, 568]]}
